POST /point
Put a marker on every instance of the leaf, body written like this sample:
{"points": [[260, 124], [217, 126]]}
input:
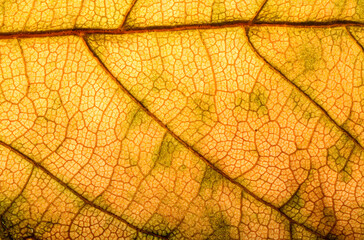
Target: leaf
{"points": [[181, 120]]}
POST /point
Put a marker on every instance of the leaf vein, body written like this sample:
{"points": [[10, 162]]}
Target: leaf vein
{"points": [[354, 38], [65, 185], [191, 149], [122, 25], [20, 193], [295, 86], [256, 15], [83, 31]]}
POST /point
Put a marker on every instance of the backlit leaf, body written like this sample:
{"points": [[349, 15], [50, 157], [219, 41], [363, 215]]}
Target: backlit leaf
{"points": [[156, 119]]}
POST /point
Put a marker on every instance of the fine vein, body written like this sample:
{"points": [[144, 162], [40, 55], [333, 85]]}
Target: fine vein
{"points": [[191, 149], [346, 132], [65, 185]]}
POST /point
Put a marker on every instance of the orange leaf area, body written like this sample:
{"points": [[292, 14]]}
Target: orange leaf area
{"points": [[181, 119]]}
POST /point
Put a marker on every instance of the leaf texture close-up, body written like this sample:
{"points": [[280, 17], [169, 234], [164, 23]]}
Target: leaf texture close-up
{"points": [[181, 119]]}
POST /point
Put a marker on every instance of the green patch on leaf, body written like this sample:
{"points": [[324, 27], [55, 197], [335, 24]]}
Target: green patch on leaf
{"points": [[345, 175], [309, 55], [309, 58], [211, 179], [338, 154], [159, 83], [167, 150], [220, 226], [137, 118], [329, 216], [298, 233], [158, 224], [16, 222], [242, 100], [293, 207], [359, 10], [258, 100], [145, 237], [332, 237], [201, 114], [203, 107], [4, 234], [218, 11]]}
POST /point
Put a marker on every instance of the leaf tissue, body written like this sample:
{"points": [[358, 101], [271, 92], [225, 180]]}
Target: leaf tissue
{"points": [[181, 119]]}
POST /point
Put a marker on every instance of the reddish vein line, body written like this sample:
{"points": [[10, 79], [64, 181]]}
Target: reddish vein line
{"points": [[192, 150], [80, 32], [346, 132], [65, 185]]}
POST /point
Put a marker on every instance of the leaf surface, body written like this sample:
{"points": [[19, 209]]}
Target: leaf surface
{"points": [[181, 120]]}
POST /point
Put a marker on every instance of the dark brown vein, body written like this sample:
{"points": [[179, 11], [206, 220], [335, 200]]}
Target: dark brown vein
{"points": [[354, 38], [192, 150], [254, 18], [80, 31], [65, 185], [122, 25], [346, 132]]}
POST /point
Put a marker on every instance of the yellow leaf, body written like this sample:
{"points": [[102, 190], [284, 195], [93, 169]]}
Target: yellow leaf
{"points": [[181, 119]]}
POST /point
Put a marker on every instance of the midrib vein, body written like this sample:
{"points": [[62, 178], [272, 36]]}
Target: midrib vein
{"points": [[81, 32]]}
